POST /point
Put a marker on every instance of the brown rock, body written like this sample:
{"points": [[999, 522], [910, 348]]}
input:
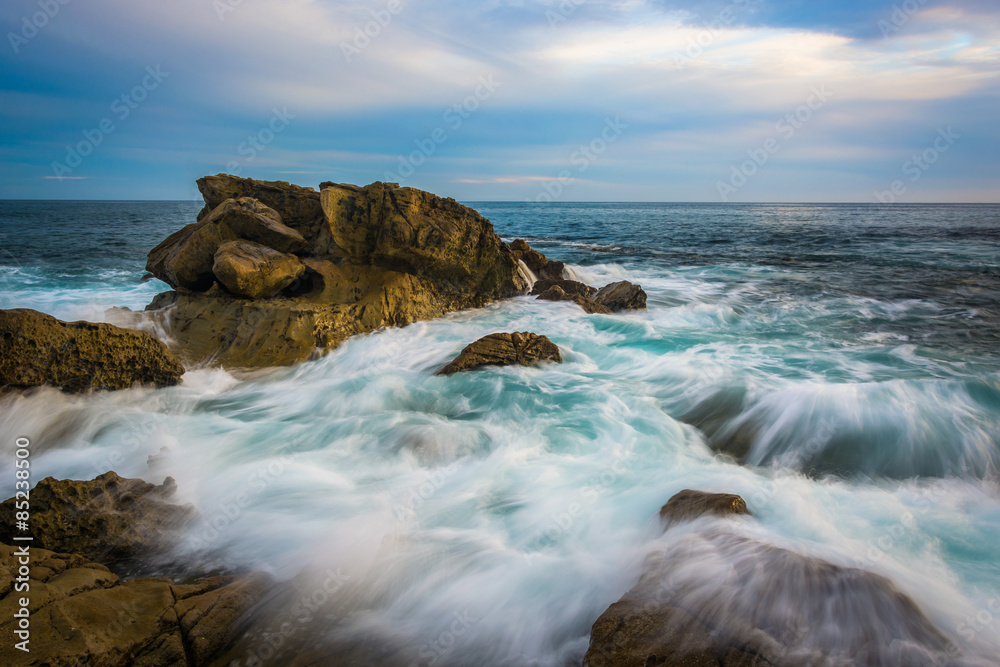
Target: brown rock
{"points": [[540, 265], [37, 349], [109, 519], [504, 349], [622, 295], [185, 258], [689, 505], [85, 616], [571, 287], [254, 271], [416, 232], [298, 207], [556, 293]]}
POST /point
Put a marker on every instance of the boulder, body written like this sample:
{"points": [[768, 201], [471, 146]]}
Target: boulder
{"points": [[713, 597], [379, 256], [621, 295], [689, 505], [109, 519], [540, 265], [37, 349], [504, 349], [571, 287], [255, 271], [185, 258], [298, 207], [416, 232], [82, 614], [557, 293]]}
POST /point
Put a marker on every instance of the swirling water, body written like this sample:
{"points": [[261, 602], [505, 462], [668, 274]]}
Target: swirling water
{"points": [[836, 365]]}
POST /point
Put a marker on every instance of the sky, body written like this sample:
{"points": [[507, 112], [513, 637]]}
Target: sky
{"points": [[522, 100]]}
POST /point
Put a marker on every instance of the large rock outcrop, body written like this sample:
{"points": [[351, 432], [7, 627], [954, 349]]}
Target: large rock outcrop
{"points": [[504, 349], [713, 597], [37, 349], [373, 256], [109, 519], [82, 614]]}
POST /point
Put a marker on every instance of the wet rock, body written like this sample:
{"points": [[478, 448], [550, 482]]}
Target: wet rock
{"points": [[689, 505], [622, 295], [82, 614], [109, 519], [714, 597], [571, 287], [378, 256], [255, 271], [557, 293], [504, 349], [540, 265], [37, 349], [185, 258]]}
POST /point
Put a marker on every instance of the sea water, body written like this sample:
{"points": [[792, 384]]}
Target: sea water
{"points": [[838, 366]]}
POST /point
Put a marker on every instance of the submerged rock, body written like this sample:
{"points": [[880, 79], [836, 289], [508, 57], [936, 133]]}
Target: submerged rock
{"points": [[110, 519], [249, 269], [37, 349], [504, 349], [374, 256], [713, 597], [622, 295], [82, 614]]}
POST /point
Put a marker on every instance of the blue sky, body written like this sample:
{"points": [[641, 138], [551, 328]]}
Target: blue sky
{"points": [[645, 100]]}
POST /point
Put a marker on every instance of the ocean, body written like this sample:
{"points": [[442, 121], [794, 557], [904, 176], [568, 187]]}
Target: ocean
{"points": [[838, 366]]}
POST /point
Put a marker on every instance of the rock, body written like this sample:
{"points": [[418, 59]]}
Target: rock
{"points": [[298, 207], [379, 256], [37, 349], [571, 287], [540, 265], [622, 295], [713, 597], [504, 349], [249, 269], [185, 258], [81, 614], [416, 232], [689, 505], [109, 519], [556, 293]]}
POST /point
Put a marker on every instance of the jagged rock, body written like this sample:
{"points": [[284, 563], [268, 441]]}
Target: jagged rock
{"points": [[688, 505], [37, 349], [571, 287], [81, 614], [109, 519], [504, 349], [417, 232], [622, 295], [298, 207], [540, 265], [249, 269], [380, 256], [713, 597], [556, 293], [185, 258]]}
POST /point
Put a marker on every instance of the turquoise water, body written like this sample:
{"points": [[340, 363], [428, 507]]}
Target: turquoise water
{"points": [[837, 366]]}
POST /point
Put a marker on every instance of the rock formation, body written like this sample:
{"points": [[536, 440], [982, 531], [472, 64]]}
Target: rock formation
{"points": [[37, 349], [372, 256], [713, 597], [504, 349], [537, 263], [109, 519], [82, 614], [611, 298]]}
